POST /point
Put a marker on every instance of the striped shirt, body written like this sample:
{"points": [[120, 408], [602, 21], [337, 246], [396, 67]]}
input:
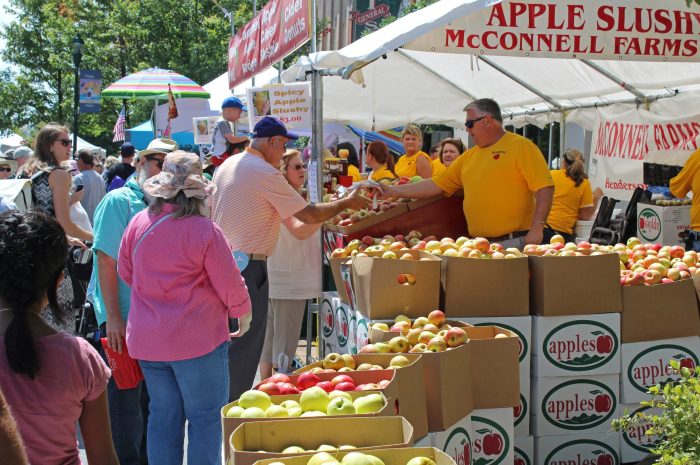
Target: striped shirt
{"points": [[251, 200]]}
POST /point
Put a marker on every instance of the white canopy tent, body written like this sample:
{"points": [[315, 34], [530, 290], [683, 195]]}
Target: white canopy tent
{"points": [[85, 145], [12, 141], [390, 84]]}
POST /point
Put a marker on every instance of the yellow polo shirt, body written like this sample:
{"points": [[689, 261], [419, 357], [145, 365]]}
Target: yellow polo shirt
{"points": [[438, 166], [354, 172], [381, 173], [688, 180], [568, 200], [406, 166], [499, 182]]}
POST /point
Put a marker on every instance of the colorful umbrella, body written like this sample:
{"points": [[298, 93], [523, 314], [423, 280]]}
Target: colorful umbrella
{"points": [[153, 84]]}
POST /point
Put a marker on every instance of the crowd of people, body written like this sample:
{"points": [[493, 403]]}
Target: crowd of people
{"points": [[206, 282]]}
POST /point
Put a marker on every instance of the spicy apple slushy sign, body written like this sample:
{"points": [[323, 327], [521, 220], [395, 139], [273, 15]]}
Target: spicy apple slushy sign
{"points": [[281, 27], [647, 30]]}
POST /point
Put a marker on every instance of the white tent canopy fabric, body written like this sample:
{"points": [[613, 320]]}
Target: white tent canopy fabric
{"points": [[10, 142], [390, 86]]}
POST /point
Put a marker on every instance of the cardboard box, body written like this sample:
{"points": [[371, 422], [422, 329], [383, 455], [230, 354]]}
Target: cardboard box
{"points": [[327, 336], [456, 441], [409, 384], [338, 279], [379, 295], [493, 440], [597, 288], [273, 436], [646, 364], [661, 311], [524, 452], [230, 424], [634, 442], [393, 456], [578, 449], [479, 287], [576, 345], [343, 330], [574, 405], [521, 413], [662, 225]]}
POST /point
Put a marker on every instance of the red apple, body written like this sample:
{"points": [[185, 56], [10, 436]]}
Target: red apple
{"points": [[326, 386], [271, 389], [455, 337], [278, 378], [688, 363], [287, 388], [493, 444], [436, 317], [345, 386], [306, 380], [604, 459], [603, 403], [604, 344], [342, 379]]}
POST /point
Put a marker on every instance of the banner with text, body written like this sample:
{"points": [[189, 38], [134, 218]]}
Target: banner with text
{"points": [[203, 128], [90, 90], [648, 30], [622, 142], [290, 103], [281, 27]]}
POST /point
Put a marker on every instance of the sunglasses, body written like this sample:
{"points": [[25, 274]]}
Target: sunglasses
{"points": [[298, 167], [6, 170], [64, 142], [159, 161], [471, 122]]}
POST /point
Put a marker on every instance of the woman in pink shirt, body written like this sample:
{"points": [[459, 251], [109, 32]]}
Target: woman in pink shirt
{"points": [[185, 285], [51, 380]]}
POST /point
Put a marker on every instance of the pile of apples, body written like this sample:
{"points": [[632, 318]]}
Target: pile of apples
{"points": [[558, 247], [280, 384], [425, 334], [356, 458], [313, 402], [334, 362], [649, 264], [350, 217]]}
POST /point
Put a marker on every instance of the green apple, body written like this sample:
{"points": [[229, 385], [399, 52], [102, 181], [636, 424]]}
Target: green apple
{"points": [[357, 458], [321, 458], [313, 413], [382, 348], [314, 398], [235, 412], [340, 406], [253, 412], [326, 447], [371, 403], [293, 450], [420, 461], [255, 398], [399, 361], [346, 447], [335, 394], [276, 411], [376, 460]]}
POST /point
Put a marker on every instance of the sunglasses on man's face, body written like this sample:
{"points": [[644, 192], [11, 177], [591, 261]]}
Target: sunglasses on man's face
{"points": [[471, 122], [6, 170], [159, 161], [64, 142], [298, 167]]}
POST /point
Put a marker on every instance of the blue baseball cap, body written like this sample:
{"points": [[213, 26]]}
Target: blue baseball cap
{"points": [[270, 127], [233, 102]]}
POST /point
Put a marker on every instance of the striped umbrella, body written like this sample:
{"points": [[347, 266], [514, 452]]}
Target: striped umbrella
{"points": [[153, 83]]}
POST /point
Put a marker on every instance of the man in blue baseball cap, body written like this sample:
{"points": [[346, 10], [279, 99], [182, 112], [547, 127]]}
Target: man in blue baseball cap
{"points": [[225, 142], [252, 200]]}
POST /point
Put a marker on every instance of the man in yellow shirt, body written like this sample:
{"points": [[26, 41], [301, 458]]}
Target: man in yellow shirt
{"points": [[688, 180], [507, 186]]}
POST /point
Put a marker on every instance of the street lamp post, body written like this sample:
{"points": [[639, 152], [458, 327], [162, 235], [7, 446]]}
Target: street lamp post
{"points": [[77, 57]]}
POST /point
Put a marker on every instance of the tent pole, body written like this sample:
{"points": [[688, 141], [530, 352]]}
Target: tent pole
{"points": [[316, 112], [550, 149], [562, 133], [629, 88], [155, 119]]}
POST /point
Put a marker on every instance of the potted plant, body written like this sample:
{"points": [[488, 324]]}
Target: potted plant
{"points": [[677, 427]]}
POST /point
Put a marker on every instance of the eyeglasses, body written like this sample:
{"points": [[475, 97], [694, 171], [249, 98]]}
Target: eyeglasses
{"points": [[155, 159], [298, 167], [64, 142], [6, 170], [471, 122]]}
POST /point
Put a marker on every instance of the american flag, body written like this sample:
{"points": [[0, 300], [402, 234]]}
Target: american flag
{"points": [[119, 127]]}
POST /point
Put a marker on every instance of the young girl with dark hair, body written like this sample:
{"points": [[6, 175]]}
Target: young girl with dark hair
{"points": [[380, 160], [51, 380]]}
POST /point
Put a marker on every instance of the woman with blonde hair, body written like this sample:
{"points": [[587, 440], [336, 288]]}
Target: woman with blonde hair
{"points": [[573, 199], [294, 274], [415, 162]]}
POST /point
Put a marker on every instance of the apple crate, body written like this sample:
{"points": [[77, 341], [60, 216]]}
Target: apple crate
{"points": [[230, 424], [369, 220], [394, 456]]}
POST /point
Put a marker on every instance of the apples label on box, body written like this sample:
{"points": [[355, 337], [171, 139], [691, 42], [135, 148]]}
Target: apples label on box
{"points": [[580, 345], [581, 452], [523, 453], [651, 366], [343, 327], [521, 412], [491, 442], [327, 318], [459, 446], [636, 443], [578, 404]]}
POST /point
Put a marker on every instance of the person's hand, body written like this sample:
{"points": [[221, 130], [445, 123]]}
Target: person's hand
{"points": [[76, 197], [116, 332], [75, 242], [243, 325], [534, 236], [355, 201], [383, 191], [598, 192]]}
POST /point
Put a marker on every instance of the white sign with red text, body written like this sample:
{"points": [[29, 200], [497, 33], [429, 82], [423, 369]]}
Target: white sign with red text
{"points": [[492, 436], [455, 441], [623, 141], [646, 30], [635, 443], [585, 449]]}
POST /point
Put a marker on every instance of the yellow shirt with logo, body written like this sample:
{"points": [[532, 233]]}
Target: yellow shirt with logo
{"points": [[568, 200], [381, 173], [438, 167], [355, 173], [688, 180], [406, 166], [499, 183]]}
